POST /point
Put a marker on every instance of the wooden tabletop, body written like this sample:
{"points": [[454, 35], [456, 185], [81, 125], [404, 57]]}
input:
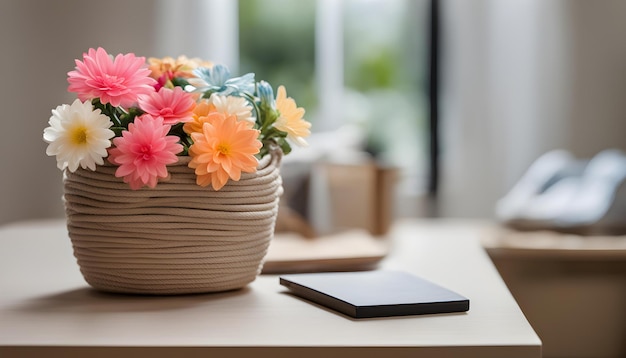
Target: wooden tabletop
{"points": [[502, 243], [46, 308]]}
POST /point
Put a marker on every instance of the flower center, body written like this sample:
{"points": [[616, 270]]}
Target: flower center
{"points": [[78, 136], [165, 112], [108, 83], [146, 152], [223, 148]]}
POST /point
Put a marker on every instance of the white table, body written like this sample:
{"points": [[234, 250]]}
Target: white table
{"points": [[46, 309]]}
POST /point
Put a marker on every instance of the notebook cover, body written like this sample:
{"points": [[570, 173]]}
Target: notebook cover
{"points": [[377, 293]]}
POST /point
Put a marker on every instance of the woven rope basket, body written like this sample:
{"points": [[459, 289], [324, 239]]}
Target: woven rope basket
{"points": [[176, 238]]}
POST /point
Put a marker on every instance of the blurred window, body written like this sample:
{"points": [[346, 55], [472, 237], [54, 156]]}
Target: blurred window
{"points": [[359, 62]]}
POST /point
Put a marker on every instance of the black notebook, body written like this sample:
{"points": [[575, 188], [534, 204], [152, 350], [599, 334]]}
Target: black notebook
{"points": [[377, 293]]}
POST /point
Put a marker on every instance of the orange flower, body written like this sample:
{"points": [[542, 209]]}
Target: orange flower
{"points": [[227, 105], [200, 116], [224, 149], [290, 120]]}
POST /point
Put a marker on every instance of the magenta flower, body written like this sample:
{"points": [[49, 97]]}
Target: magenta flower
{"points": [[143, 151], [117, 81], [173, 105]]}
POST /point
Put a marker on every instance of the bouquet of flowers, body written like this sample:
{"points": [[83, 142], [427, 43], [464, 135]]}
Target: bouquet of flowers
{"points": [[141, 116]]}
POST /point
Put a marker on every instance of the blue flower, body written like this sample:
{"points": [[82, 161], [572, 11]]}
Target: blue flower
{"points": [[266, 94], [217, 80]]}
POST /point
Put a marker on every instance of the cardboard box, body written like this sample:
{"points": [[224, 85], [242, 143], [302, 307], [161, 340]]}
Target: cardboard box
{"points": [[347, 196]]}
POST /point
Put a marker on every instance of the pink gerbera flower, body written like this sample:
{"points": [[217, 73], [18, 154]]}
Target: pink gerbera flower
{"points": [[143, 152], [173, 105], [117, 81]]}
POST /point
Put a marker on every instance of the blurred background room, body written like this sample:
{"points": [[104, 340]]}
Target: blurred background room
{"points": [[427, 109]]}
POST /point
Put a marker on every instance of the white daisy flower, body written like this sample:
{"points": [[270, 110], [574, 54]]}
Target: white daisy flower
{"points": [[78, 135], [233, 105]]}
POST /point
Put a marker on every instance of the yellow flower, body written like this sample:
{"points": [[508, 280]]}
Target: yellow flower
{"points": [[290, 119], [224, 149], [179, 67]]}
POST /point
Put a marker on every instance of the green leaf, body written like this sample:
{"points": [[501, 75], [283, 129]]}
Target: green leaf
{"points": [[180, 82], [117, 130], [284, 146]]}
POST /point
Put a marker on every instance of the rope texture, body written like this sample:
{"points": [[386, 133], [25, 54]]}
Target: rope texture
{"points": [[176, 238]]}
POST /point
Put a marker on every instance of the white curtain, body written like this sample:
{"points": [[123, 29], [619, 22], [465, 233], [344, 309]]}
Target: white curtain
{"points": [[521, 77], [207, 29]]}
